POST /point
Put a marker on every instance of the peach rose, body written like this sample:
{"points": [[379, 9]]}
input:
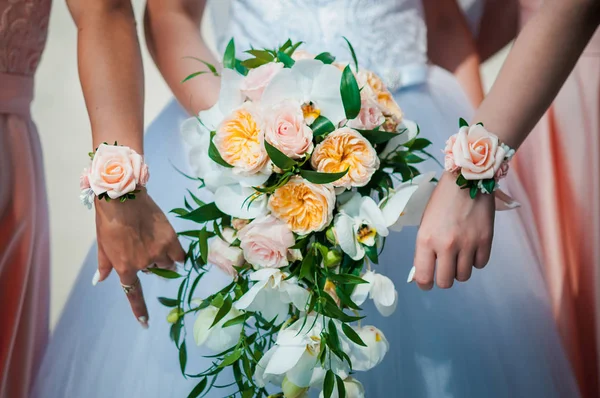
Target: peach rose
{"points": [[84, 180], [346, 149], [223, 255], [370, 116], [373, 86], [115, 170], [240, 140], [285, 130], [239, 223], [477, 152], [265, 242], [502, 171], [305, 207], [144, 175], [257, 79], [449, 164], [301, 54]]}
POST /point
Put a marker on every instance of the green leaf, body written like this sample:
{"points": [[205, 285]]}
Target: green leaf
{"points": [[191, 76], [262, 54], [198, 201], [203, 242], [165, 273], [176, 331], [341, 387], [473, 191], [326, 58], [285, 59], [377, 137], [229, 56], [461, 181], [322, 126], [306, 270], [334, 311], [214, 154], [347, 279], [279, 158], [352, 335], [231, 358], [419, 144], [210, 66], [334, 339], [235, 321], [182, 358], [352, 53], [350, 94], [321, 178], [224, 310], [179, 211], [328, 384], [290, 51], [168, 302], [208, 212], [489, 185], [412, 158], [286, 45], [345, 299], [462, 123], [371, 252], [191, 292], [480, 124], [195, 393], [253, 63], [240, 68]]}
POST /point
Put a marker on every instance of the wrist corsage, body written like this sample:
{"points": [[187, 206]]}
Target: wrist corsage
{"points": [[116, 172], [477, 158]]}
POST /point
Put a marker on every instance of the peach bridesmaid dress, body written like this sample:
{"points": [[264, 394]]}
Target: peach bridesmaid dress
{"points": [[559, 168], [24, 249]]}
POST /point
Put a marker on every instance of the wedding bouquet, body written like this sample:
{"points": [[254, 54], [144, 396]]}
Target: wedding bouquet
{"points": [[311, 164]]}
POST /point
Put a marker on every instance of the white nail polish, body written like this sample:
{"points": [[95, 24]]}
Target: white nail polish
{"points": [[96, 278], [411, 275], [143, 320]]}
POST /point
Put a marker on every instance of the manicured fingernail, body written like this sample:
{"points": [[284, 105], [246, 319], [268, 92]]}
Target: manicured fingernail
{"points": [[143, 320], [411, 275], [96, 278]]}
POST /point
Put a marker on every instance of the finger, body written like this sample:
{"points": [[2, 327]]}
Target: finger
{"points": [[176, 252], [164, 262], [466, 259], [424, 267], [104, 267], [136, 297], [446, 270], [482, 255]]}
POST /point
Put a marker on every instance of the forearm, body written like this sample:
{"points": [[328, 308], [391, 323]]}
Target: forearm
{"points": [[537, 66], [451, 45], [110, 70], [173, 33]]}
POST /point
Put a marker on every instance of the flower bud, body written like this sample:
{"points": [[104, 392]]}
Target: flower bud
{"points": [[290, 390], [174, 315], [332, 259], [330, 234]]}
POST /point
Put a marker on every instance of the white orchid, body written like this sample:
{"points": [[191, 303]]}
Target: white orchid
{"points": [[408, 130], [313, 85], [272, 294], [86, 197], [294, 357], [406, 203], [216, 338], [366, 358], [353, 388], [357, 224], [380, 289]]}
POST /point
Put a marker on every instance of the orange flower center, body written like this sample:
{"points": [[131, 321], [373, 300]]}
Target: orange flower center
{"points": [[113, 171], [298, 206], [238, 139]]}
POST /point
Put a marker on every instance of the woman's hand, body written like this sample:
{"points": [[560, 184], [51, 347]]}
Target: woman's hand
{"points": [[456, 231], [133, 236]]}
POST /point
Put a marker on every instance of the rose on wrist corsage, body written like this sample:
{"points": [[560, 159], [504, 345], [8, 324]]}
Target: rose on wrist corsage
{"points": [[116, 172], [477, 158]]}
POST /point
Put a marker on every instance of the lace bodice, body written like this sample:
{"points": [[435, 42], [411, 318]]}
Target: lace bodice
{"points": [[386, 34], [23, 31]]}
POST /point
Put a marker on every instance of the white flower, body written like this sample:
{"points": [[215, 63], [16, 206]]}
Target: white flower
{"points": [[216, 338], [272, 294], [87, 197], [366, 358], [357, 224], [311, 84], [295, 357], [380, 289], [409, 130], [406, 203], [353, 387]]}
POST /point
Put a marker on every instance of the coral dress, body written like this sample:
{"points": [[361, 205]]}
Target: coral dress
{"points": [[24, 249], [559, 167]]}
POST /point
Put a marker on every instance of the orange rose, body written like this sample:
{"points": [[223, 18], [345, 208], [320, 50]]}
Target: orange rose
{"points": [[240, 140], [346, 149], [305, 207]]}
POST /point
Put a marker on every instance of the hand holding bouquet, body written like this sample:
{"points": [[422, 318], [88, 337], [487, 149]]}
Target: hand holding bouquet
{"points": [[301, 154]]}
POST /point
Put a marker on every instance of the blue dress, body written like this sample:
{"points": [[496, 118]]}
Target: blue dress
{"points": [[493, 336]]}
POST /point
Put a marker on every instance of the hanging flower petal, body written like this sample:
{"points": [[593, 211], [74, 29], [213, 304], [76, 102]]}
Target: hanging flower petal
{"points": [[234, 201]]}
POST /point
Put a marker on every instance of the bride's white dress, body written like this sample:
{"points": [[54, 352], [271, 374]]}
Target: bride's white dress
{"points": [[490, 337]]}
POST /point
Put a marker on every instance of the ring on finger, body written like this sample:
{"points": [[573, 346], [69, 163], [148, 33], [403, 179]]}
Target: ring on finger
{"points": [[128, 289]]}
